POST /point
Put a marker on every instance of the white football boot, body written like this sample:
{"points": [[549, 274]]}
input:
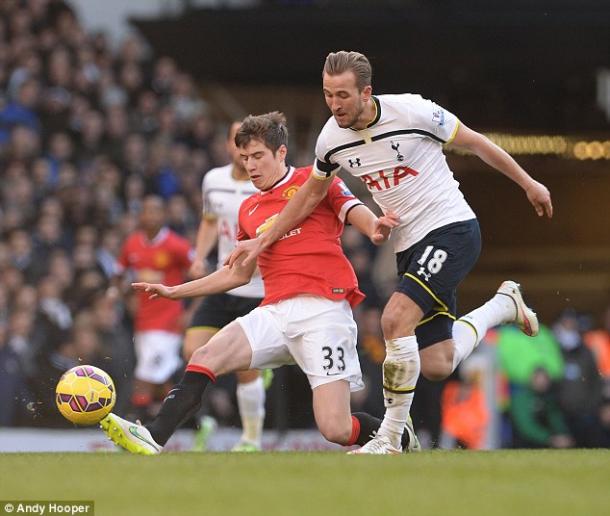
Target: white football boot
{"points": [[525, 317], [133, 437], [378, 445]]}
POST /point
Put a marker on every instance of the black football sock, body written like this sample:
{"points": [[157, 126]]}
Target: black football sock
{"points": [[365, 428], [181, 403]]}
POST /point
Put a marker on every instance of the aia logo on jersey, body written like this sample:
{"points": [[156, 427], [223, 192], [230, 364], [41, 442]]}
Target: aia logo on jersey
{"points": [[290, 191], [383, 180]]}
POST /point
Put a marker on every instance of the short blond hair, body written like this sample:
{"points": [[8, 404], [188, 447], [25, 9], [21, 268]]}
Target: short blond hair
{"points": [[343, 61]]}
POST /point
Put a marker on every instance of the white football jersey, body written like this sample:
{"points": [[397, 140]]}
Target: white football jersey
{"points": [[222, 197], [399, 156]]}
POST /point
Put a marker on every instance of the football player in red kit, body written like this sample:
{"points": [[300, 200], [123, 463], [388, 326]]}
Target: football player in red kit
{"points": [[306, 315]]}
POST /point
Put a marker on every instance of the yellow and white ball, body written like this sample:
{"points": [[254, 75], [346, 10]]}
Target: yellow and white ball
{"points": [[85, 395]]}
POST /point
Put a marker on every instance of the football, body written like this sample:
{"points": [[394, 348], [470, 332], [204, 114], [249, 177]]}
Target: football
{"points": [[85, 395]]}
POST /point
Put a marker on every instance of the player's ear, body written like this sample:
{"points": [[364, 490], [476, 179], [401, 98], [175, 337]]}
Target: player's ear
{"points": [[366, 92], [282, 152]]}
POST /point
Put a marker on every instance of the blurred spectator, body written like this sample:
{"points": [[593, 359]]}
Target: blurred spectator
{"points": [[12, 380], [598, 341], [580, 389], [116, 347], [53, 318], [465, 412], [520, 355], [80, 346], [21, 111], [537, 418]]}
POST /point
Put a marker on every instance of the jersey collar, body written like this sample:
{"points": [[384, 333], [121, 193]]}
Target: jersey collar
{"points": [[285, 178], [159, 237], [377, 116]]}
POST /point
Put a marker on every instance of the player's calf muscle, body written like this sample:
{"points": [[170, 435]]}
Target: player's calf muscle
{"points": [[437, 364]]}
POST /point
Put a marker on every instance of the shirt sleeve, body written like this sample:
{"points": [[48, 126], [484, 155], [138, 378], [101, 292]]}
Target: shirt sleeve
{"points": [[208, 209], [440, 124], [323, 167], [341, 199]]}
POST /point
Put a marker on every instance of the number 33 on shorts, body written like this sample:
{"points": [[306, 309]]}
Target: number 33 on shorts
{"points": [[333, 360], [434, 258]]}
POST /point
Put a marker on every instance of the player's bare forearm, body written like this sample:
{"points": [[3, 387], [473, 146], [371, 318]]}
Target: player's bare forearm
{"points": [[496, 157], [218, 282], [376, 228]]}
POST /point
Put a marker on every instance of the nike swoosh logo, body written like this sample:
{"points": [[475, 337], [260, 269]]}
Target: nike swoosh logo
{"points": [[250, 212], [133, 430]]}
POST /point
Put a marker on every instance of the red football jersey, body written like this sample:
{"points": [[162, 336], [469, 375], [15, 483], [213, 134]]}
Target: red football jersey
{"points": [[165, 260], [309, 258]]}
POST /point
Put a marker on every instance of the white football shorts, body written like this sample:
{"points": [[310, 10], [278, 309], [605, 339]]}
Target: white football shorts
{"points": [[317, 334], [157, 354]]}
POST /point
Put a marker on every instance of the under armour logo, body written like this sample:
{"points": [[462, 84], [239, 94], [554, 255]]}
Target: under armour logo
{"points": [[395, 146], [354, 163], [422, 272]]}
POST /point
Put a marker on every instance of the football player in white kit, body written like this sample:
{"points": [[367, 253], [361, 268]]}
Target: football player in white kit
{"points": [[394, 143], [224, 189]]}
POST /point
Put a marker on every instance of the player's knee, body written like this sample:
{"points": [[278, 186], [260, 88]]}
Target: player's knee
{"points": [[437, 371], [395, 324], [201, 356]]}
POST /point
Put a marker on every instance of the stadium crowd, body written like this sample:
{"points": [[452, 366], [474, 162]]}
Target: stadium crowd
{"points": [[86, 131]]}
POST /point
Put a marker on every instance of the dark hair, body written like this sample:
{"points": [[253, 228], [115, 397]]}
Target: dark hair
{"points": [[343, 61], [269, 128]]}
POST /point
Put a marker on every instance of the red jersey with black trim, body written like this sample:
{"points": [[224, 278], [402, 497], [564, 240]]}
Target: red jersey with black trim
{"points": [[308, 259], [165, 259]]}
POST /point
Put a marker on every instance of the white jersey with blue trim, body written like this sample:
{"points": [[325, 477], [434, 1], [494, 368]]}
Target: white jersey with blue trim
{"points": [[222, 197], [399, 156]]}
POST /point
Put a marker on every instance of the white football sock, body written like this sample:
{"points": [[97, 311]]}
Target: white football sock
{"points": [[251, 404], [400, 373], [465, 339], [470, 329]]}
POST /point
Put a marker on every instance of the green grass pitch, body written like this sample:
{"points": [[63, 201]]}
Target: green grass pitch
{"points": [[444, 483]]}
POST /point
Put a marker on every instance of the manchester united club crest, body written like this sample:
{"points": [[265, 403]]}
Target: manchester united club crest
{"points": [[290, 191], [161, 259]]}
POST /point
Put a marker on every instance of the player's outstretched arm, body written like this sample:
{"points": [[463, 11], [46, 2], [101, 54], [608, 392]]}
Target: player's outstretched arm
{"points": [[376, 228], [298, 208], [220, 281], [496, 157]]}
